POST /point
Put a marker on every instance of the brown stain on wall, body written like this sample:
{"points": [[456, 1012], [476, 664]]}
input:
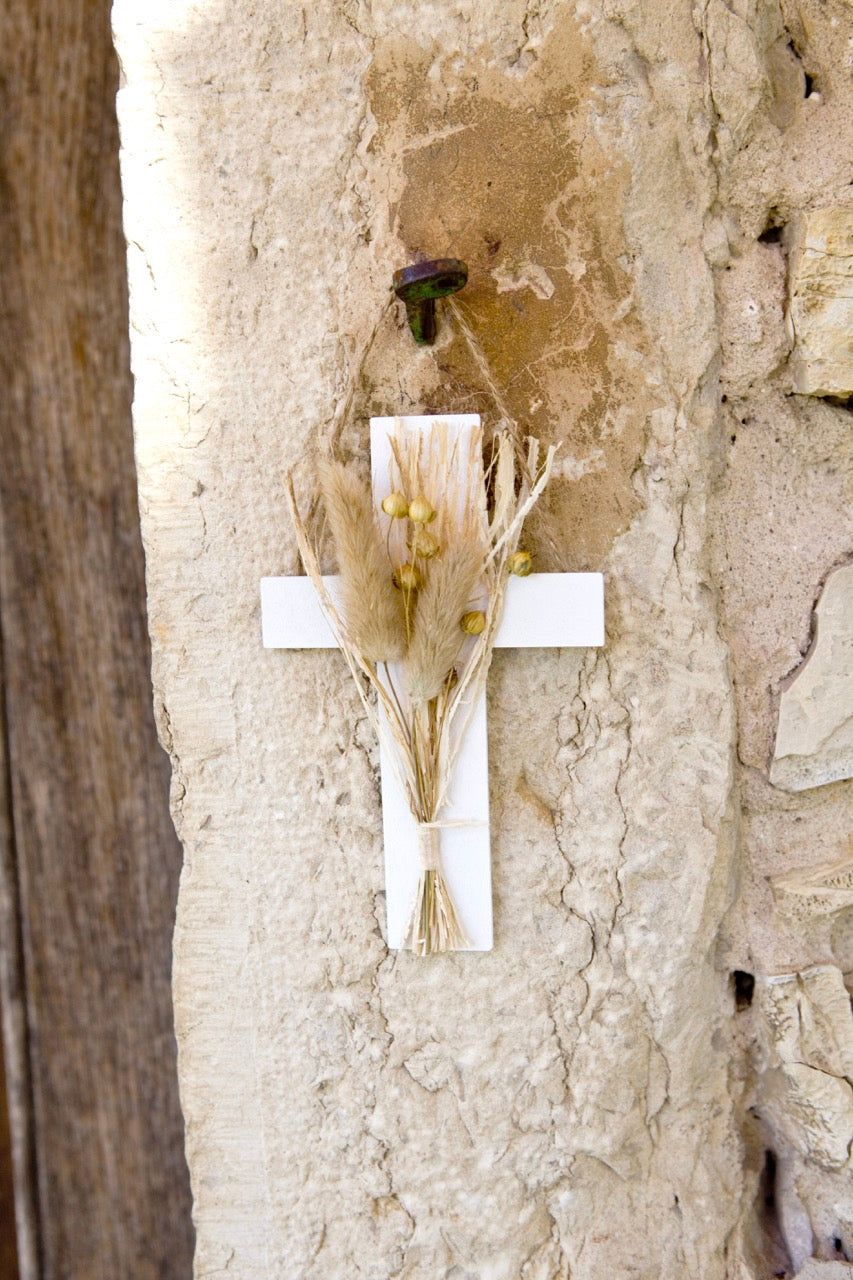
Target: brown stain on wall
{"points": [[498, 167]]}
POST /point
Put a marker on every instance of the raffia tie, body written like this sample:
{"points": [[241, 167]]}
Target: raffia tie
{"points": [[429, 846], [429, 841]]}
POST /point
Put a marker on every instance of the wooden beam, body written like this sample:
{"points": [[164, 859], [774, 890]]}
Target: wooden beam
{"points": [[8, 1242], [90, 846], [19, 1258]]}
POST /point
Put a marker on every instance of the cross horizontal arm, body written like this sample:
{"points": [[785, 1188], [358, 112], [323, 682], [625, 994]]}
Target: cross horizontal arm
{"points": [[542, 610], [545, 610]]}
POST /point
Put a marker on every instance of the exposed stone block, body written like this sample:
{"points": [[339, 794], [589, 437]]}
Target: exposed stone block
{"points": [[805, 1034], [814, 741], [821, 303], [816, 1270]]}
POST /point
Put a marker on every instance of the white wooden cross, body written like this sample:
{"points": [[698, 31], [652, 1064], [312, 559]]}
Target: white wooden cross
{"points": [[543, 610]]}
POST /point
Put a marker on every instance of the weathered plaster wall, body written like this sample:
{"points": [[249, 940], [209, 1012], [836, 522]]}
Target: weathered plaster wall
{"points": [[585, 1101], [783, 524]]}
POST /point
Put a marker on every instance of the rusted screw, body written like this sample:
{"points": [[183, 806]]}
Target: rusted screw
{"points": [[419, 286]]}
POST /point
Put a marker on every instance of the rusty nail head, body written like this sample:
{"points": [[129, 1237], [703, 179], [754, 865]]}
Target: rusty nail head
{"points": [[419, 286]]}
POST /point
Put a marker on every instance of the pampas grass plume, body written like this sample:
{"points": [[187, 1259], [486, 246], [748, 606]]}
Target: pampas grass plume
{"points": [[372, 606], [437, 638]]}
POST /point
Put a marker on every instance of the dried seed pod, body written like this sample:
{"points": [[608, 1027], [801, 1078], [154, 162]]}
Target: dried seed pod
{"points": [[421, 510], [521, 563], [473, 623], [408, 577], [424, 544], [396, 505]]}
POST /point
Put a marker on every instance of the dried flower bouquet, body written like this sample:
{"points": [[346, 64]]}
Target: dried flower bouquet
{"points": [[422, 584]]}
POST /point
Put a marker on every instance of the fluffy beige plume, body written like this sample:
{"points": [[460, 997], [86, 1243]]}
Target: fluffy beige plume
{"points": [[373, 608], [437, 636]]}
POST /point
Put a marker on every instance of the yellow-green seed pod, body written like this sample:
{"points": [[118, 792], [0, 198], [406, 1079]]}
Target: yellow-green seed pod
{"points": [[425, 545], [473, 623], [396, 505], [521, 563], [408, 577], [421, 510]]}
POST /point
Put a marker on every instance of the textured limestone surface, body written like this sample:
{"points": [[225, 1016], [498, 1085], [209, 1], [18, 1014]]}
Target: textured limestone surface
{"points": [[804, 1059], [815, 1270], [817, 891], [814, 740], [590, 1099], [782, 521], [821, 302]]}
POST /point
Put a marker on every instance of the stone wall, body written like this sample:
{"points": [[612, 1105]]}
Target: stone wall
{"points": [[654, 203]]}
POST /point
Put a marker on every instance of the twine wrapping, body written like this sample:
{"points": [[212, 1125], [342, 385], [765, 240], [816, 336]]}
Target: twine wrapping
{"points": [[429, 841], [429, 846]]}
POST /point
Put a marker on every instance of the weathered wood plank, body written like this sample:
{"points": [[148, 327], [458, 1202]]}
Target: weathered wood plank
{"points": [[8, 1243], [95, 855], [19, 1172]]}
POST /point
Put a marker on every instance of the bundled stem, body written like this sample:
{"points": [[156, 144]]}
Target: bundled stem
{"points": [[434, 926]]}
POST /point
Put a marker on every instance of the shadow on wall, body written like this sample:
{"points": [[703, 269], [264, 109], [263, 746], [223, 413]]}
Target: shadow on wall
{"points": [[505, 174]]}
